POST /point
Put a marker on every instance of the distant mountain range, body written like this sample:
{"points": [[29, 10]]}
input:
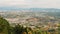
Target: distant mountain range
{"points": [[31, 9]]}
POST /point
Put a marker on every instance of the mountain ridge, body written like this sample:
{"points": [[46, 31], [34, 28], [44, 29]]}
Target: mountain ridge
{"points": [[30, 9]]}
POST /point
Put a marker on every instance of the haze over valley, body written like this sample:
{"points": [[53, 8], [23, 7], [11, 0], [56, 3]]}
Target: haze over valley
{"points": [[31, 16]]}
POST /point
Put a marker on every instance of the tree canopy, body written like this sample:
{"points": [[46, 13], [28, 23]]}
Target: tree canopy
{"points": [[4, 26]]}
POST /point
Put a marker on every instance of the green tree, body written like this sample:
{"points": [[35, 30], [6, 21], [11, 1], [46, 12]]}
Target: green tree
{"points": [[17, 29], [4, 26]]}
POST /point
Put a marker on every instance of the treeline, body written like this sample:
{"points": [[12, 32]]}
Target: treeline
{"points": [[5, 28]]}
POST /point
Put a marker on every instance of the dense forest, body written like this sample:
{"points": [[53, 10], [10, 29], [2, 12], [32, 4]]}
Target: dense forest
{"points": [[6, 28]]}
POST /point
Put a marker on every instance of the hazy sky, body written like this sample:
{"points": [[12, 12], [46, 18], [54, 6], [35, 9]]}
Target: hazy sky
{"points": [[31, 3]]}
